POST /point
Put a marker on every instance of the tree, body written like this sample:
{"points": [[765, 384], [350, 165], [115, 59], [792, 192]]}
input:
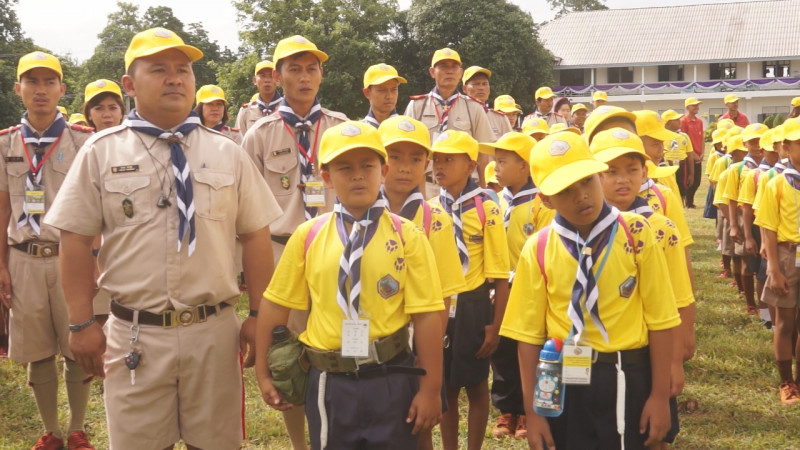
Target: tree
{"points": [[562, 7], [13, 44]]}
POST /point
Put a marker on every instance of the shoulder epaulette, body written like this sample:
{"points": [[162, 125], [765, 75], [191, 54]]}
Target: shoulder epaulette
{"points": [[496, 112], [82, 128], [10, 129], [483, 105], [336, 114], [234, 129], [245, 105], [417, 97]]}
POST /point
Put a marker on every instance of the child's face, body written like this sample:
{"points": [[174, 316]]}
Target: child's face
{"points": [[782, 150], [754, 149], [738, 155], [511, 170], [580, 203], [622, 180], [718, 146], [654, 148], [793, 147], [452, 170], [355, 176], [771, 158], [407, 163]]}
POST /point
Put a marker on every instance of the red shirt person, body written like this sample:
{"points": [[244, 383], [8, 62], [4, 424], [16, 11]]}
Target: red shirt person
{"points": [[739, 118]]}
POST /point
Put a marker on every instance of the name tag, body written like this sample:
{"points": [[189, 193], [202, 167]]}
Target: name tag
{"points": [[355, 338], [13, 159], [282, 151], [453, 305], [315, 193], [797, 257], [34, 200], [577, 364], [125, 169]]}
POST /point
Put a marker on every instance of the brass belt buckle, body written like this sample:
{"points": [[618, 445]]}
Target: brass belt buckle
{"points": [[187, 317], [47, 250]]}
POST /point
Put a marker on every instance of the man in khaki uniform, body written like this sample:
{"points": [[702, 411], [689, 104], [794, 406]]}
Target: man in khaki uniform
{"points": [[284, 147], [544, 98], [266, 101], [36, 156], [169, 205], [475, 84]]}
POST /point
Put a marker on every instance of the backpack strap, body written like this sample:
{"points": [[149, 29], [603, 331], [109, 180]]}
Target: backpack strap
{"points": [[661, 198], [627, 231], [479, 209], [541, 245], [426, 218], [398, 226], [755, 179]]}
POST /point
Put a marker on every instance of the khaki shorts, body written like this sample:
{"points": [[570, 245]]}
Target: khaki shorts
{"points": [[38, 326], [188, 385], [720, 225], [727, 242], [738, 249], [792, 274]]}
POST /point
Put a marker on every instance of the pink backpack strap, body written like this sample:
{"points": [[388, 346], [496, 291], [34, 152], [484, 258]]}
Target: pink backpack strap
{"points": [[627, 231], [479, 209], [398, 225], [319, 221], [541, 246], [426, 218], [755, 178], [661, 199]]}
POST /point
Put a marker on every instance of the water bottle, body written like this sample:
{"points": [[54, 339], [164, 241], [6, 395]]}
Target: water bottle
{"points": [[288, 364], [548, 394]]}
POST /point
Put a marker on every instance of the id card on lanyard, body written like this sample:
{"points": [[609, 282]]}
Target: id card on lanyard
{"points": [[33, 202], [314, 187]]}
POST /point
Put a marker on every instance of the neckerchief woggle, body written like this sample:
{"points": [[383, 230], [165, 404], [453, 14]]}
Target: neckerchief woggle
{"points": [[446, 105], [526, 194], [455, 207], [302, 127], [370, 117], [180, 167], [268, 108]]}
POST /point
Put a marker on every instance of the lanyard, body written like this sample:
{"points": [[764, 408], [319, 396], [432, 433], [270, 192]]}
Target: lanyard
{"points": [[444, 115], [35, 170], [308, 153]]}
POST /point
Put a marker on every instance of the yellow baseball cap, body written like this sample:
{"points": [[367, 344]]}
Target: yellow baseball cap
{"points": [[777, 134], [766, 141], [265, 64], [100, 86], [535, 125], [795, 102], [649, 124], [609, 145], [474, 70], [726, 124], [691, 101], [513, 141], [294, 45], [254, 97], [456, 142], [156, 40], [506, 104], [603, 113], [490, 174], [670, 114], [38, 59], [210, 93], [381, 73], [654, 171], [347, 136], [730, 98], [735, 143], [600, 95], [578, 106], [405, 129], [544, 92], [559, 161], [561, 127], [62, 110], [77, 117], [754, 131], [443, 54], [791, 129], [717, 136]]}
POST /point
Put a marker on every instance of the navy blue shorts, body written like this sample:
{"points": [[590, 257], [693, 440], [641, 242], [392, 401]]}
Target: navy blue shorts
{"points": [[466, 332]]}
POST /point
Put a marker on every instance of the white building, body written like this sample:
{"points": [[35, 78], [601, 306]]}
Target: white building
{"points": [[654, 58]]}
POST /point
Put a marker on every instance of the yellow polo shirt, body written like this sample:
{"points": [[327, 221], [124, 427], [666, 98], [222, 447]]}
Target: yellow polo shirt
{"points": [[720, 165], [672, 207], [722, 181], [526, 219], [669, 239], [779, 210], [762, 183], [444, 249]]}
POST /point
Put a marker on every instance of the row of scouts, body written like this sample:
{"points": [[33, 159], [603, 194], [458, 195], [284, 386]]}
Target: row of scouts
{"points": [[339, 241]]}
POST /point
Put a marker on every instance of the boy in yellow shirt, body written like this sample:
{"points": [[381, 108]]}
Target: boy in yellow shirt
{"points": [[381, 269], [481, 241], [568, 285]]}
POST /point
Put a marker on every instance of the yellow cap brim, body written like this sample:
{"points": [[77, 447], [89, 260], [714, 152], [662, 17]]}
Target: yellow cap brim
{"points": [[322, 56], [213, 99], [346, 148], [792, 136], [662, 134], [454, 151], [654, 171], [489, 149], [565, 176], [193, 53], [397, 140], [386, 78], [613, 153]]}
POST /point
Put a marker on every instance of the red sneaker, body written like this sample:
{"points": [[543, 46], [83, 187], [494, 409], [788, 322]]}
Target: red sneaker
{"points": [[48, 442], [77, 440]]}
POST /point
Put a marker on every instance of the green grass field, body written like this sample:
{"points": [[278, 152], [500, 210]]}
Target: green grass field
{"points": [[730, 399]]}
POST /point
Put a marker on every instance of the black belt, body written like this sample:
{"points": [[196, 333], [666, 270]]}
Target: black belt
{"points": [[281, 239], [40, 249], [376, 370], [637, 356], [169, 318]]}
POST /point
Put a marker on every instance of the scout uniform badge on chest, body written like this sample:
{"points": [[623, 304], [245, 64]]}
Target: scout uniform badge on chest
{"points": [[388, 286]]}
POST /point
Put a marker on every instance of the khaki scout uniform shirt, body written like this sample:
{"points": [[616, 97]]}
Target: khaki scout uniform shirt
{"points": [[248, 115], [274, 150], [14, 167], [552, 118], [465, 115], [139, 261], [232, 133], [498, 122]]}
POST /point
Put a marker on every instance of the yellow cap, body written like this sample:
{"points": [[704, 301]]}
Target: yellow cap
{"points": [[381, 73], [62, 110], [691, 101], [254, 97], [100, 86], [544, 92], [735, 143], [294, 45], [600, 95], [560, 127], [795, 102], [474, 70], [506, 104], [535, 125], [579, 106], [777, 134], [603, 113], [649, 124], [210, 93], [39, 59], [77, 117], [766, 141], [654, 171], [265, 64], [456, 142], [726, 124], [443, 54], [404, 129], [717, 136], [513, 141], [670, 114], [490, 174], [730, 98], [609, 145], [559, 161], [349, 135], [156, 40], [754, 131], [791, 129]]}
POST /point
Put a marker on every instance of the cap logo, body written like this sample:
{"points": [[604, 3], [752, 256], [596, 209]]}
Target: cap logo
{"points": [[447, 51], [100, 84], [300, 40], [603, 109], [757, 126], [406, 126], [443, 137], [535, 122], [351, 131], [558, 148], [162, 33], [384, 68], [215, 90], [39, 55], [620, 134]]}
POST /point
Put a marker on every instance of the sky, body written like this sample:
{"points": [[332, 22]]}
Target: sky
{"points": [[65, 28]]}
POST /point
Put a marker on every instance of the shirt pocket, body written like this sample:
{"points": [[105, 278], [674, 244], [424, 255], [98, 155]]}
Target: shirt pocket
{"points": [[213, 193], [281, 173], [127, 200], [16, 177]]}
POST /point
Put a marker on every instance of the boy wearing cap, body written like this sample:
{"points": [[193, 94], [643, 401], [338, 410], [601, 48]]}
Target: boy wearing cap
{"points": [[37, 154], [363, 389], [692, 126], [736, 152], [599, 98], [381, 85], [481, 241], [508, 106], [266, 101], [777, 216], [579, 113], [475, 83], [679, 152], [285, 147], [170, 354], [492, 184], [579, 300], [739, 118], [544, 99]]}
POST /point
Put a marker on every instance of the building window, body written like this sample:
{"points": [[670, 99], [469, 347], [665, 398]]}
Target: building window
{"points": [[776, 69], [670, 73], [715, 113], [620, 75], [572, 77], [722, 71]]}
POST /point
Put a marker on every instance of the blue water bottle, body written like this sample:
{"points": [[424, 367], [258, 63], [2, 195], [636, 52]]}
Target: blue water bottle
{"points": [[548, 394]]}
